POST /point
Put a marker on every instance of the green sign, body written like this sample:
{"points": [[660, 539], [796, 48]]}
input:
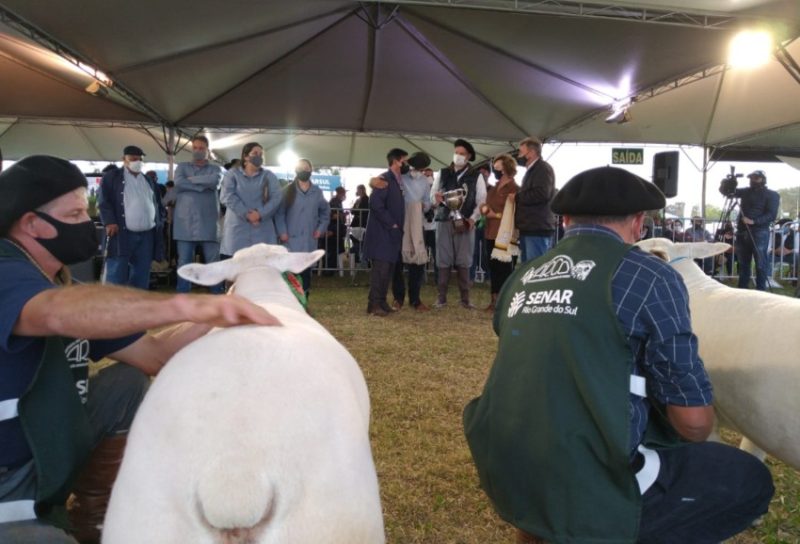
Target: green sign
{"points": [[627, 155]]}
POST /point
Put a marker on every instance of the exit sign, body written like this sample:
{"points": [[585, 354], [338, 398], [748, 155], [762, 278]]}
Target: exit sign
{"points": [[627, 155]]}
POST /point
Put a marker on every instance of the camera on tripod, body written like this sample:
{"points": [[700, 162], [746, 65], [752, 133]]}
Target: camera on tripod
{"points": [[728, 185]]}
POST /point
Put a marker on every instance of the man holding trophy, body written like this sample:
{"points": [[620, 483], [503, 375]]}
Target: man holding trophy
{"points": [[459, 197]]}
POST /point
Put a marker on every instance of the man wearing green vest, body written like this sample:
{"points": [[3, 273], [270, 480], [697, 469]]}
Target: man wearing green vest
{"points": [[592, 422], [62, 432]]}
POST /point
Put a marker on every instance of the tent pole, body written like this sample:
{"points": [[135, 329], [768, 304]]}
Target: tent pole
{"points": [[171, 154], [705, 179]]}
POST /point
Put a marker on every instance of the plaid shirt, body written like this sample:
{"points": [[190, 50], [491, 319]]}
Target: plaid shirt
{"points": [[652, 305]]}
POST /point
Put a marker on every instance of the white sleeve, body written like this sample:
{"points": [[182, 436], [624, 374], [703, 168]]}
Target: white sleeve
{"points": [[480, 198]]}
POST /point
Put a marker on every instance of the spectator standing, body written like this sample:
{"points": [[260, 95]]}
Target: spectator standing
{"points": [[358, 224], [384, 237], [131, 211], [533, 218], [429, 225], [758, 207], [503, 169], [455, 244], [196, 215], [337, 230], [726, 234], [252, 197], [698, 233], [303, 216], [413, 254]]}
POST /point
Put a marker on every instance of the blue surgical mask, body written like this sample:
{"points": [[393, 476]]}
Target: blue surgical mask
{"points": [[256, 160]]}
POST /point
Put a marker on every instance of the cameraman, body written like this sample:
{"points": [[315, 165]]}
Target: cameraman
{"points": [[757, 209]]}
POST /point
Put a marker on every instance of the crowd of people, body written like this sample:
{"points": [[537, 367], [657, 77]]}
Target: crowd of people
{"points": [[641, 425]]}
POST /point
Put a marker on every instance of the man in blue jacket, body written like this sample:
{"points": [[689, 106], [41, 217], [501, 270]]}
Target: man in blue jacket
{"points": [[384, 236], [131, 210]]}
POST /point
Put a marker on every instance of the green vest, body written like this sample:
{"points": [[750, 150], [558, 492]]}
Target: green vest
{"points": [[55, 425], [550, 433]]}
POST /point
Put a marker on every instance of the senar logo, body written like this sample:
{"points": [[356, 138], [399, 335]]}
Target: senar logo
{"points": [[517, 302], [559, 267]]}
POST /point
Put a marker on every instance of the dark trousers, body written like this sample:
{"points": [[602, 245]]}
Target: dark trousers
{"points": [[379, 278], [498, 270], [416, 272], [705, 493], [430, 243], [752, 244], [305, 277]]}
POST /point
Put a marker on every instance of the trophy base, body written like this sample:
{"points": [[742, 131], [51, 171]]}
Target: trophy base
{"points": [[460, 226]]}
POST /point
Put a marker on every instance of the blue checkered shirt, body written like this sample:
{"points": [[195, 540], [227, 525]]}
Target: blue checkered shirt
{"points": [[652, 305]]}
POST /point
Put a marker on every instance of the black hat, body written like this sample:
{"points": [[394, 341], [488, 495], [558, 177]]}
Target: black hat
{"points": [[341, 189], [607, 191], [758, 174], [33, 182], [133, 150], [419, 160], [466, 145]]}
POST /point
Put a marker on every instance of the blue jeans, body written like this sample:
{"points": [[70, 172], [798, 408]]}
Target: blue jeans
{"points": [[705, 493], [132, 269], [532, 247], [751, 245], [186, 255]]}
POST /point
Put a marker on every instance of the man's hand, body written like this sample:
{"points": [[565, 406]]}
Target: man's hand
{"points": [[224, 311], [316, 234], [747, 221], [470, 223], [253, 217], [438, 197], [112, 230], [284, 238], [378, 183]]}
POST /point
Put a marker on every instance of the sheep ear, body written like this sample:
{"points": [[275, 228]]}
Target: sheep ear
{"points": [[700, 250], [209, 274], [296, 262]]}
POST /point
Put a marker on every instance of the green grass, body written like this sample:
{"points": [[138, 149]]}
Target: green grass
{"points": [[421, 369]]}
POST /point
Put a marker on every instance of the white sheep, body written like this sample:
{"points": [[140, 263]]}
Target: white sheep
{"points": [[750, 343], [252, 434]]}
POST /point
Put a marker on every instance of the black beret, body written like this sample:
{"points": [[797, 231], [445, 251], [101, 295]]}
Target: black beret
{"points": [[133, 150], [419, 160], [466, 145], [607, 191], [33, 182]]}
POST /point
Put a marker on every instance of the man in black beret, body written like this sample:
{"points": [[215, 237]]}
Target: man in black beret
{"points": [[131, 210], [455, 237], [54, 419], [591, 425]]}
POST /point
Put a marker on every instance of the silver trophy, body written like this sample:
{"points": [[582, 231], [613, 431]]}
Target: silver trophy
{"points": [[455, 200]]}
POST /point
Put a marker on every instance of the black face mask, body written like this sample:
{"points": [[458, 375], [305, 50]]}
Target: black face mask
{"points": [[405, 168], [497, 173], [74, 243], [522, 160], [303, 175]]}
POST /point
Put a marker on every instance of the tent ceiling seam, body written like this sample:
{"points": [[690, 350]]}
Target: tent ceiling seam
{"points": [[265, 68], [441, 59], [225, 43]]}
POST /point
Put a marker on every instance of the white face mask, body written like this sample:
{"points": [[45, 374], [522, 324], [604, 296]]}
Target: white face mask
{"points": [[416, 174], [459, 160], [135, 166]]}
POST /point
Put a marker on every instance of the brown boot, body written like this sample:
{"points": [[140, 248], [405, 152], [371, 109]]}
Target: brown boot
{"points": [[463, 287], [525, 538], [92, 490], [490, 307], [442, 280]]}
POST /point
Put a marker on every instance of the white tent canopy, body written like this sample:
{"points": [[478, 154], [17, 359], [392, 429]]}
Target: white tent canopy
{"points": [[341, 81]]}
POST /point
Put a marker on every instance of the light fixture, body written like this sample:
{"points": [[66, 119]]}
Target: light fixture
{"points": [[750, 49], [288, 160], [620, 112], [95, 88]]}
